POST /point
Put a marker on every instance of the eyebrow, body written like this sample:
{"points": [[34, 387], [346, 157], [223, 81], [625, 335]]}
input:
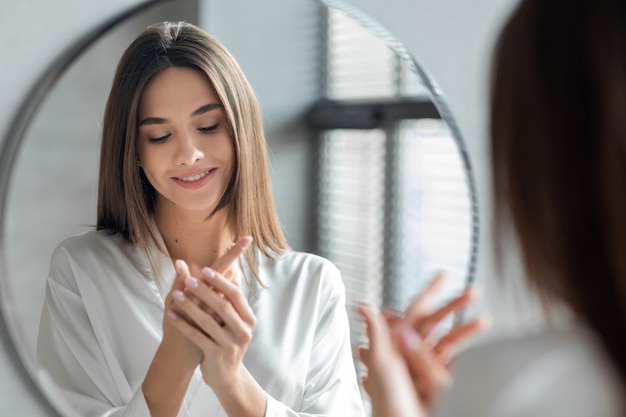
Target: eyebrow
{"points": [[197, 112]]}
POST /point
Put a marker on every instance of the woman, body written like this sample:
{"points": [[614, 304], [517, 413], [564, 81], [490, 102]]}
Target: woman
{"points": [[558, 141], [135, 322]]}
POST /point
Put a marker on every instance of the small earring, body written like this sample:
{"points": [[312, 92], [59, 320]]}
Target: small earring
{"points": [[138, 162]]}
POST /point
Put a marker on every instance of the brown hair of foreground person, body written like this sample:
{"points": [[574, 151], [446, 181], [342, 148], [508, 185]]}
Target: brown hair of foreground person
{"points": [[558, 129]]}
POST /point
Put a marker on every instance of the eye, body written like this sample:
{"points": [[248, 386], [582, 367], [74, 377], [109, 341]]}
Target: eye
{"points": [[160, 139], [209, 129]]}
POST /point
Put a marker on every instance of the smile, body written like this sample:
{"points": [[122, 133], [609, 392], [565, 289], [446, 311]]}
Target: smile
{"points": [[195, 177]]}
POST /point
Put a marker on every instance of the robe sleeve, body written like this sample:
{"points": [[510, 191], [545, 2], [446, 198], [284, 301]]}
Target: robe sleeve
{"points": [[69, 353], [331, 387]]}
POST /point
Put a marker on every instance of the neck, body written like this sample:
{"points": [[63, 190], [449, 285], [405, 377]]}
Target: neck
{"points": [[193, 237]]}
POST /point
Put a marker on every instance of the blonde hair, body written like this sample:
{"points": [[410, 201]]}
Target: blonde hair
{"points": [[125, 196]]}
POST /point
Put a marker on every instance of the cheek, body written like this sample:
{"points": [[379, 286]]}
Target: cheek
{"points": [[149, 177], [153, 158], [150, 166]]}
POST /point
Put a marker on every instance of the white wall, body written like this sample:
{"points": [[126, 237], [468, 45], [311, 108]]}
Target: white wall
{"points": [[452, 38]]}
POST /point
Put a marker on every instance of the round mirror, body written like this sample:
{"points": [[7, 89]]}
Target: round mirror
{"points": [[368, 166]]}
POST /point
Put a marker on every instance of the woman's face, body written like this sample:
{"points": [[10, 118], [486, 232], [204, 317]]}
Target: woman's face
{"points": [[184, 145]]}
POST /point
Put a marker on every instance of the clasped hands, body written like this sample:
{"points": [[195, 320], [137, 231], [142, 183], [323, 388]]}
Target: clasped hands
{"points": [[406, 370], [213, 315]]}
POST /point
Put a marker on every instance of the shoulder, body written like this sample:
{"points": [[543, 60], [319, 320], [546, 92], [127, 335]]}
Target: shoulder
{"points": [[96, 243], [86, 252], [309, 262], [557, 372], [305, 269]]}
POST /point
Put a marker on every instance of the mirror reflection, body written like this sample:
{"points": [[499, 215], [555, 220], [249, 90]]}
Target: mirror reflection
{"points": [[364, 173]]}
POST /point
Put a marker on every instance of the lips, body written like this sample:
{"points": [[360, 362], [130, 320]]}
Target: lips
{"points": [[195, 180], [195, 176]]}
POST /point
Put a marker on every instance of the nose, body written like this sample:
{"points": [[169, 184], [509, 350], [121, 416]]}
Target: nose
{"points": [[188, 150]]}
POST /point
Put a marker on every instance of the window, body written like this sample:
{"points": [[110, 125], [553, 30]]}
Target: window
{"points": [[395, 201]]}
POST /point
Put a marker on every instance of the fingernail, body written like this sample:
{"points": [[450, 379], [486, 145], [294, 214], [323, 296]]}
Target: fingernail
{"points": [[245, 241], [178, 296], [410, 338], [171, 315], [178, 266], [208, 272], [191, 282]]}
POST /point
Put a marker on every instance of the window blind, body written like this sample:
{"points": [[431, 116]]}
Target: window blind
{"points": [[394, 202]]}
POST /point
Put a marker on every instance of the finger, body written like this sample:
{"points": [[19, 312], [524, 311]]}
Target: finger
{"points": [[224, 262], [198, 318], [391, 317], [445, 346], [193, 293], [182, 273], [195, 335], [377, 332], [375, 337], [433, 286], [191, 284], [234, 276], [232, 294], [372, 324], [423, 300], [182, 282], [425, 325], [365, 383], [363, 355], [428, 374]]}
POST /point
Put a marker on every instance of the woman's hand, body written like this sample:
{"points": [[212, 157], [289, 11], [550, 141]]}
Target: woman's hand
{"points": [[224, 265], [214, 315], [175, 360], [425, 361], [421, 316], [178, 356], [186, 353], [220, 323], [388, 382], [223, 336]]}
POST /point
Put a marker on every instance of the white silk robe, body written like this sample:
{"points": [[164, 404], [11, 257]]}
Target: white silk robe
{"points": [[102, 323], [555, 372]]}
